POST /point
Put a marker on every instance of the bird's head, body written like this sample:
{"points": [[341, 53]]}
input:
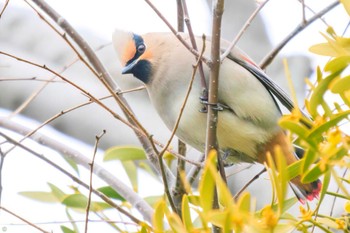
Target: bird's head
{"points": [[133, 54]]}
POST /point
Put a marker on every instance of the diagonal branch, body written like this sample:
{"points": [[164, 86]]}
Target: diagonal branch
{"points": [[269, 57], [72, 154], [105, 77], [243, 29]]}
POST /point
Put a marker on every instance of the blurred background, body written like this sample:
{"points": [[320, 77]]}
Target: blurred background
{"points": [[24, 34]]}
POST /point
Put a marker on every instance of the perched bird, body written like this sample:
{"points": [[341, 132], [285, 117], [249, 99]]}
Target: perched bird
{"points": [[248, 123]]}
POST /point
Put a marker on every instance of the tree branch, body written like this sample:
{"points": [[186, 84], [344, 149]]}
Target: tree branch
{"points": [[23, 219], [212, 117], [242, 31], [105, 78], [98, 137], [135, 200], [269, 57]]}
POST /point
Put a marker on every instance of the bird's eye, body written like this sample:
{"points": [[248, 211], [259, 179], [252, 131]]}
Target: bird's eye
{"points": [[141, 48]]}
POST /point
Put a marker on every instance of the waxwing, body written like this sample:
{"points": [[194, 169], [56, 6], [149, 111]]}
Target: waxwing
{"points": [[248, 123]]}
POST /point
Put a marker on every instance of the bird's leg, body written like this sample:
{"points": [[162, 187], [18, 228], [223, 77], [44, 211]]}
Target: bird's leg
{"points": [[215, 106]]}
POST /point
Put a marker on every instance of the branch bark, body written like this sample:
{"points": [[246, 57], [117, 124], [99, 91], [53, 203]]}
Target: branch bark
{"points": [[135, 200], [212, 117], [105, 78]]}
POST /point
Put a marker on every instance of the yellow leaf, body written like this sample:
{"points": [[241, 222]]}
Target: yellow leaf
{"points": [[346, 4], [186, 214], [175, 223], [340, 85], [158, 216], [347, 206], [207, 183]]}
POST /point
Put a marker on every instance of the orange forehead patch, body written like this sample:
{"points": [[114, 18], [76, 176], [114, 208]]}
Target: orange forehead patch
{"points": [[146, 55], [129, 52]]}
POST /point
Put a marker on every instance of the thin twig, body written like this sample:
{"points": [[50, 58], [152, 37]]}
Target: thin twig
{"points": [[269, 57], [2, 160], [96, 100], [23, 219], [101, 73], [74, 178], [177, 125], [63, 112], [29, 79], [249, 183], [194, 171], [242, 31], [4, 8], [178, 36], [180, 17], [204, 94], [303, 13], [98, 137], [105, 77], [134, 199]]}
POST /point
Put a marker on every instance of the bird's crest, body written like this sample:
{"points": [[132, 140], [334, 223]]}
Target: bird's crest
{"points": [[124, 44]]}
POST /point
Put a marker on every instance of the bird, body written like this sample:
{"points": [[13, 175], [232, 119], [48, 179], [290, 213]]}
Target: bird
{"points": [[247, 128]]}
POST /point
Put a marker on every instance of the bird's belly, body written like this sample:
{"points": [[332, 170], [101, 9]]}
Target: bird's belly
{"points": [[236, 137]]}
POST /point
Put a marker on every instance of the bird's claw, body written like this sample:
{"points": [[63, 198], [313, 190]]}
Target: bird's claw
{"points": [[215, 106]]}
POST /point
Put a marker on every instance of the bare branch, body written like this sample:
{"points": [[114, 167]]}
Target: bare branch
{"points": [[212, 117], [23, 219], [249, 183], [2, 160], [269, 57], [177, 125], [105, 77], [135, 200], [204, 94], [98, 137], [243, 29], [172, 29], [4, 8]]}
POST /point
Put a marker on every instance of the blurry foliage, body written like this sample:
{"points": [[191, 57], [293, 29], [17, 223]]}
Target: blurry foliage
{"points": [[326, 145]]}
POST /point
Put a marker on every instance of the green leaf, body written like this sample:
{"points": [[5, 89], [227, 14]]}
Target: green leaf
{"points": [[313, 174], [316, 98], [67, 230], [124, 153], [58, 193], [335, 119], [186, 214], [72, 163], [111, 193], [294, 127], [40, 196], [308, 159], [294, 169], [79, 202], [152, 200], [76, 201], [131, 171]]}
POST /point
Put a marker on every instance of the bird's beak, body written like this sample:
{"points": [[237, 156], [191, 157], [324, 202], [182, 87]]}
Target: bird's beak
{"points": [[127, 69]]}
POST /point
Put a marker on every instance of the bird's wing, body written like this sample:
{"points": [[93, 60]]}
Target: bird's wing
{"points": [[268, 83]]}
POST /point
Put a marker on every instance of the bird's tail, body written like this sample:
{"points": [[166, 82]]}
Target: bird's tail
{"points": [[303, 191], [307, 191]]}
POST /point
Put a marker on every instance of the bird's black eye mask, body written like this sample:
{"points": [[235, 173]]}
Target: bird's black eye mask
{"points": [[139, 46]]}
